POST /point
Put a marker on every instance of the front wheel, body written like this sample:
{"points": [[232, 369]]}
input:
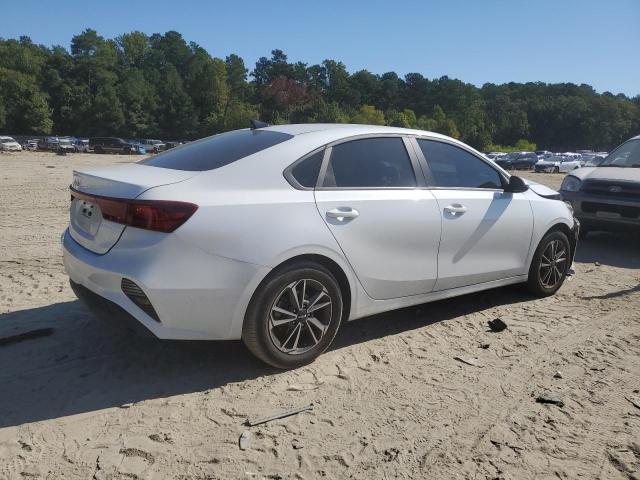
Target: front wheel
{"points": [[556, 170], [550, 264], [294, 316]]}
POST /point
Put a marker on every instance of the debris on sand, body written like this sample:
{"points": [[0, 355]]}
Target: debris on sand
{"points": [[244, 440], [496, 325], [21, 337], [558, 374], [469, 361], [288, 413], [550, 401]]}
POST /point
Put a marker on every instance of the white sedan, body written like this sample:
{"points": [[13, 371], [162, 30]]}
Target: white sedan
{"points": [[8, 144], [277, 234], [557, 164]]}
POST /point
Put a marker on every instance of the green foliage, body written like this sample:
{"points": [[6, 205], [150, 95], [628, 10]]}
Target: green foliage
{"points": [[520, 146], [162, 86], [369, 115]]}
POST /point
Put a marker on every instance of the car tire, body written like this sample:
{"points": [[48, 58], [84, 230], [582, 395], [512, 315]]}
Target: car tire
{"points": [[281, 340], [547, 273], [98, 149], [556, 170]]}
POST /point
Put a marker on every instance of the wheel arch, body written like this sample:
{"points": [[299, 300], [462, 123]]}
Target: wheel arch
{"points": [[336, 270], [340, 270], [558, 226]]}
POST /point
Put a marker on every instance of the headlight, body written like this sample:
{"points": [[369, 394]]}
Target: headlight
{"points": [[570, 184]]}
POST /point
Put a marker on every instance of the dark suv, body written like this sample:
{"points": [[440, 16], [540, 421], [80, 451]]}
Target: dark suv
{"points": [[111, 145], [607, 197], [518, 160]]}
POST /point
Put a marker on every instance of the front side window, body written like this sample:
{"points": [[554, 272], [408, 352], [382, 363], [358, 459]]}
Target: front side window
{"points": [[453, 167], [217, 151], [370, 163]]}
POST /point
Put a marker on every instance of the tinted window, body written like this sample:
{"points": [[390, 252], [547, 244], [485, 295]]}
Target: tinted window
{"points": [[217, 151], [370, 162], [306, 172], [454, 167]]}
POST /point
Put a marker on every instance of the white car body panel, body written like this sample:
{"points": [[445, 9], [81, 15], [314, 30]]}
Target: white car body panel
{"points": [[490, 241], [201, 278], [394, 261]]}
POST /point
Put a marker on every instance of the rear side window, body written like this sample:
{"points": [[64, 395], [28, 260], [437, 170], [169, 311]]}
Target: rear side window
{"points": [[454, 167], [306, 172], [370, 163], [217, 151]]}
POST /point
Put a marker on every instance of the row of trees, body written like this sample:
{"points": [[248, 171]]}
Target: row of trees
{"points": [[161, 86]]}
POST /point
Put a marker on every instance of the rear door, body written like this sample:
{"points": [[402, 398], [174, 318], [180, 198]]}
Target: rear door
{"points": [[372, 198], [486, 232]]}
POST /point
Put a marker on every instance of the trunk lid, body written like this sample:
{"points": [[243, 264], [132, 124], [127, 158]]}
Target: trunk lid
{"points": [[87, 225]]}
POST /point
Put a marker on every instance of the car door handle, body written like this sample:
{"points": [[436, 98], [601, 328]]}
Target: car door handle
{"points": [[455, 208], [343, 213]]}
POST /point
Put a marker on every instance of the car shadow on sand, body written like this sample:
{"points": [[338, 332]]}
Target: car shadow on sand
{"points": [[77, 363], [610, 248]]}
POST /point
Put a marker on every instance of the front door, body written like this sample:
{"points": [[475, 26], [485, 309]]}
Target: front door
{"points": [[486, 232]]}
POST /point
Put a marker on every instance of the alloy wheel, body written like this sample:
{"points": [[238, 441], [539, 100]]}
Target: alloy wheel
{"points": [[300, 316], [553, 264]]}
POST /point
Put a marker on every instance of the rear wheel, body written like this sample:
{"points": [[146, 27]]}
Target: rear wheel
{"points": [[556, 170], [98, 149], [294, 316], [549, 265]]}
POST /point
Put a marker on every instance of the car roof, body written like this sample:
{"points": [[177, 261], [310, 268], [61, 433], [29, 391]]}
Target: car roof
{"points": [[324, 133]]}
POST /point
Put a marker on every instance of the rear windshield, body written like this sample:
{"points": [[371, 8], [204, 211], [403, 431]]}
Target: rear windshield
{"points": [[217, 151]]}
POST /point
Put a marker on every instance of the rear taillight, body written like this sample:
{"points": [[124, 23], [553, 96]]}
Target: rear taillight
{"points": [[157, 215]]}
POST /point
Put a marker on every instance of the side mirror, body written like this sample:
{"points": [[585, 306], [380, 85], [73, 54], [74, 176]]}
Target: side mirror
{"points": [[516, 185]]}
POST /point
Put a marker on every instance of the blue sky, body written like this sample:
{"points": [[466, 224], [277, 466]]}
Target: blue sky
{"points": [[581, 41]]}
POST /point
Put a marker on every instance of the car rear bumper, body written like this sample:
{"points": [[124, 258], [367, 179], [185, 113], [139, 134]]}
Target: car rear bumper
{"points": [[600, 212], [195, 295]]}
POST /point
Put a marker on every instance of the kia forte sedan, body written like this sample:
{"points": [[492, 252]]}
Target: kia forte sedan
{"points": [[277, 234]]}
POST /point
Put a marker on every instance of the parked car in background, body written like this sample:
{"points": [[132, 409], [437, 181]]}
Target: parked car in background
{"points": [[31, 144], [343, 221], [65, 145], [111, 145], [81, 145], [518, 161], [136, 147], [8, 144], [573, 156], [173, 144], [48, 143], [495, 155], [556, 164], [607, 197], [152, 146], [542, 154]]}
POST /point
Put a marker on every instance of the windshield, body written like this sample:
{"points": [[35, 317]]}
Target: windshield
{"points": [[625, 156], [7, 140]]}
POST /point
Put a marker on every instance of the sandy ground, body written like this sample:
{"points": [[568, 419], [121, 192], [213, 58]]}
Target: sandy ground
{"points": [[390, 401]]}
